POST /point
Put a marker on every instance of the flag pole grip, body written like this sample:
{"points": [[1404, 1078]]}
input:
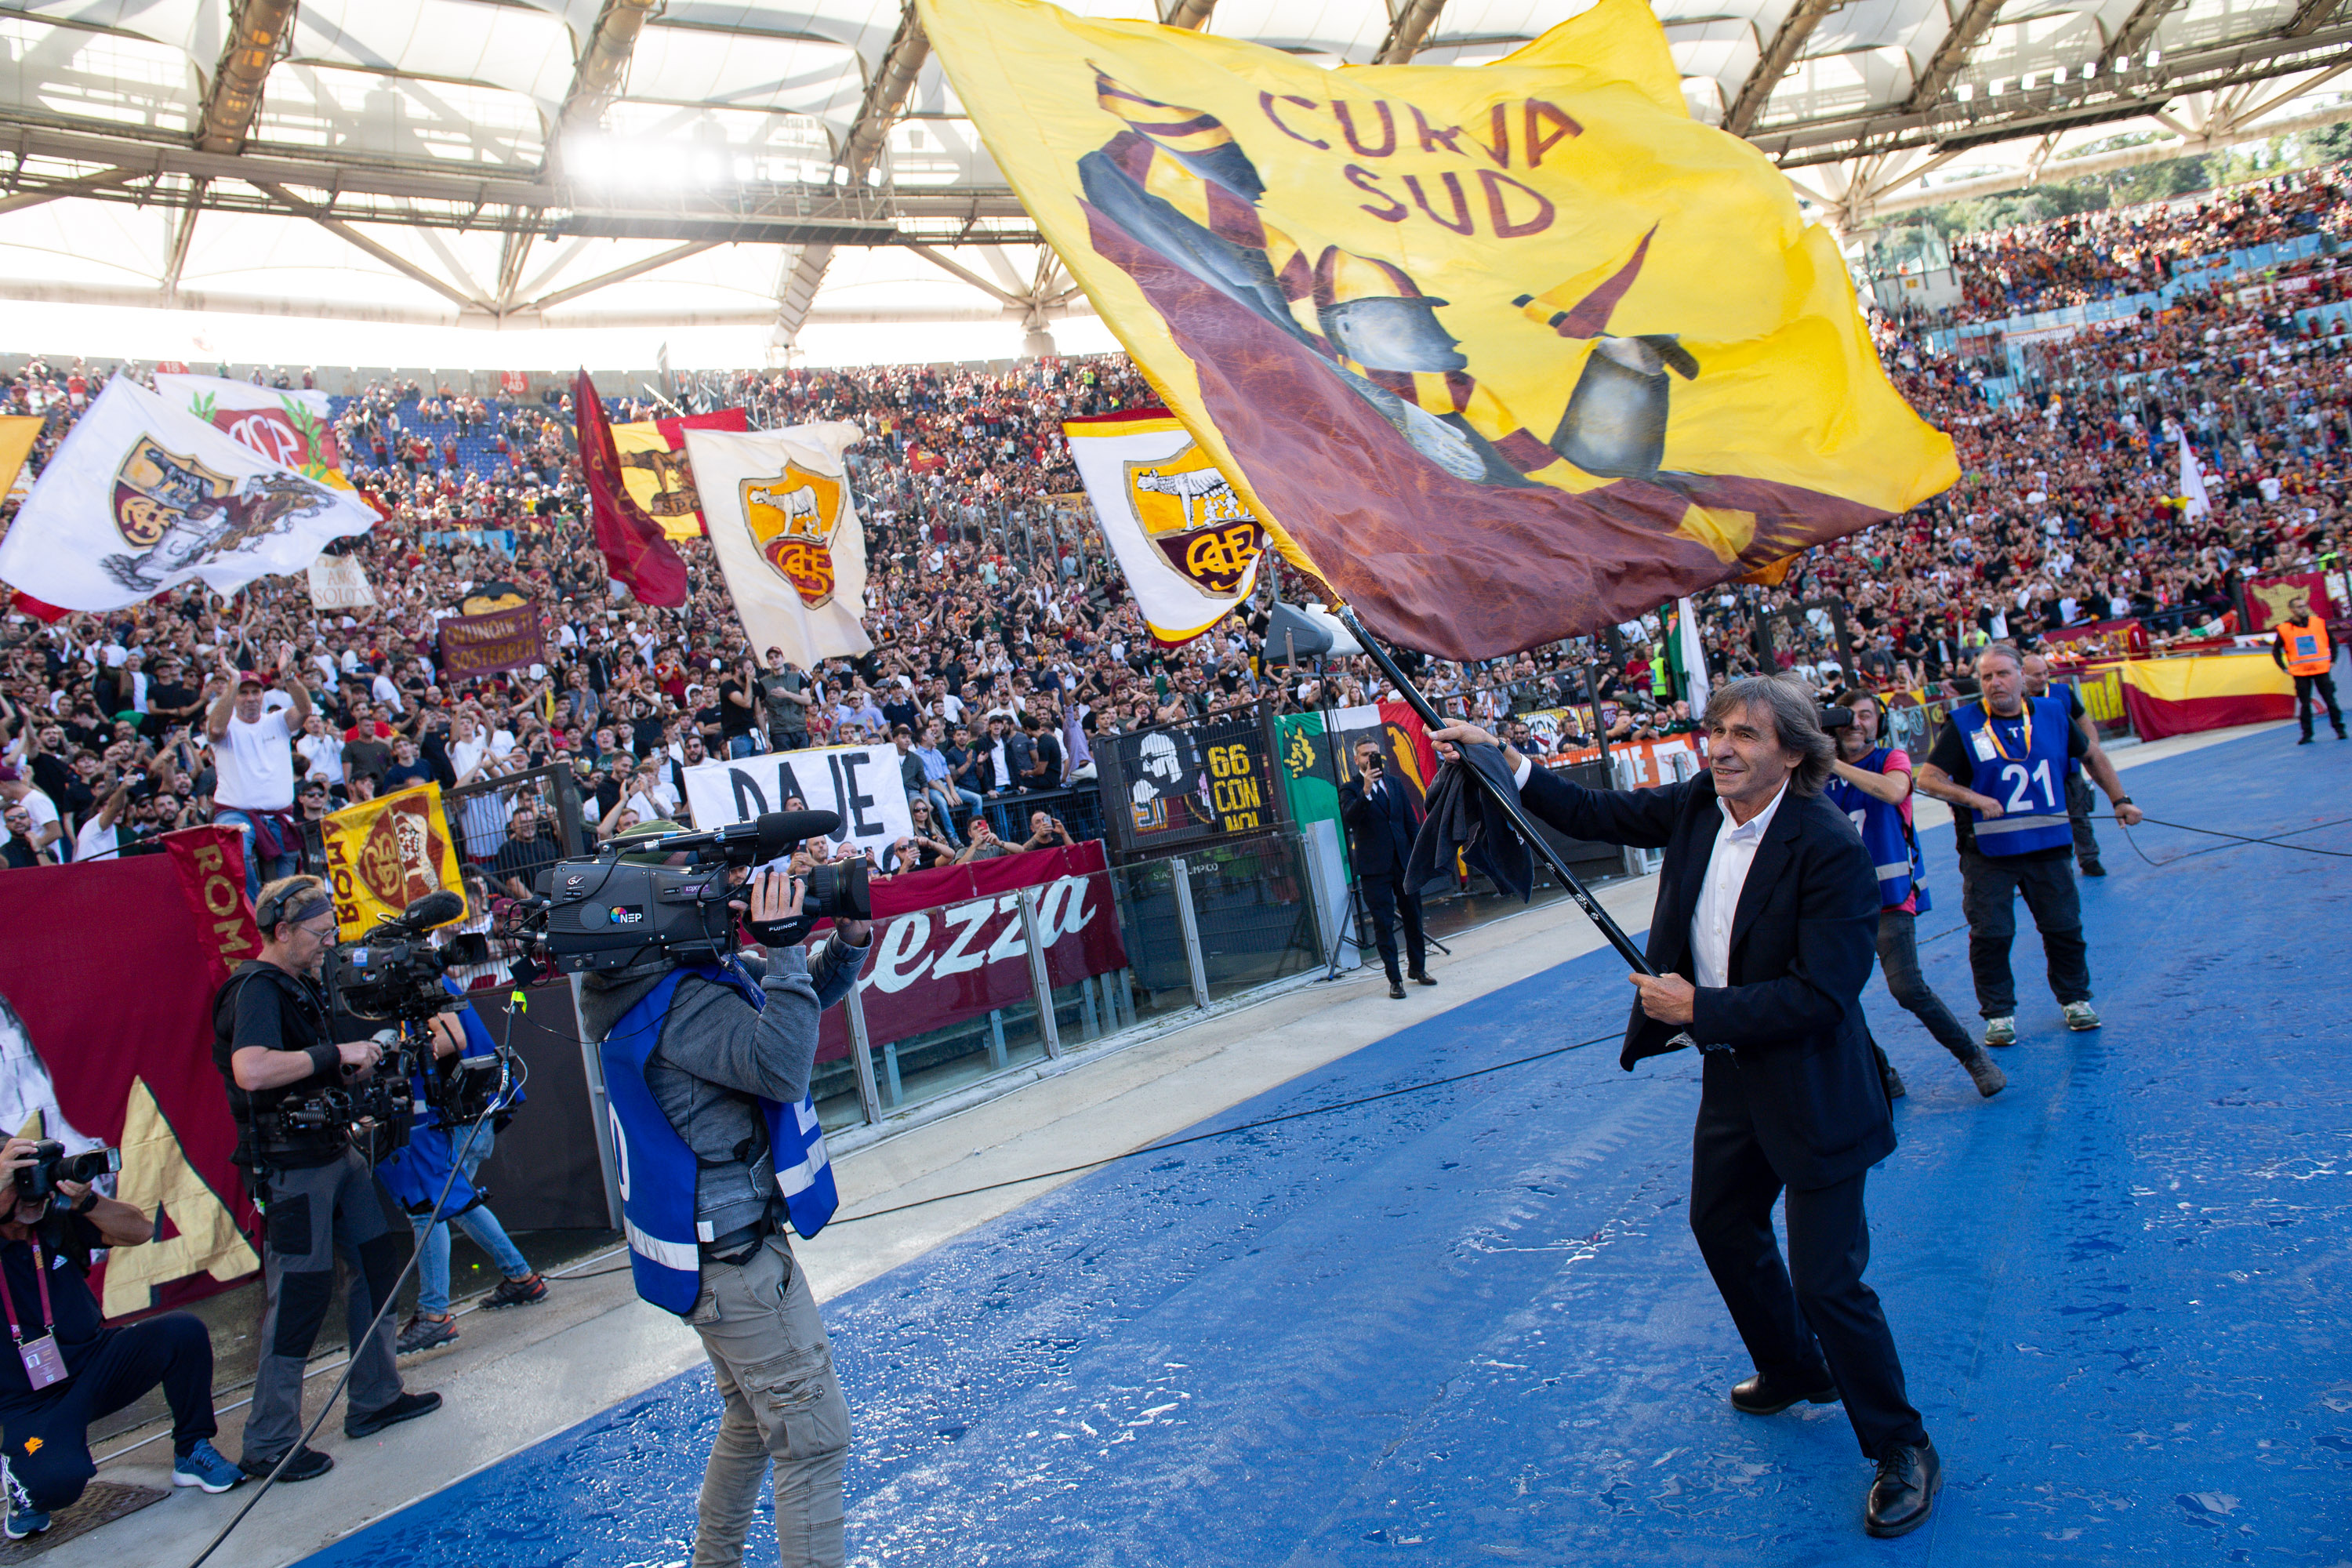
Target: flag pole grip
{"points": [[1508, 801]]}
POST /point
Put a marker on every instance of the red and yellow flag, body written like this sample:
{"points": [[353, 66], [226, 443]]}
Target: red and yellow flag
{"points": [[1504, 353], [384, 854]]}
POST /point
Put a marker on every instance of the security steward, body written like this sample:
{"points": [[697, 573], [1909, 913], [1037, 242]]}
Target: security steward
{"points": [[707, 1068], [274, 1043], [2093, 764], [1871, 783], [2001, 764], [1381, 818], [2301, 649]]}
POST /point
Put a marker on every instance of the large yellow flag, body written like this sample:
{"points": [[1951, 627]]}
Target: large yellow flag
{"points": [[382, 855], [1505, 353], [17, 434]]}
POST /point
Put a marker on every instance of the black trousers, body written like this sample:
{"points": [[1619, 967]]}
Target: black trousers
{"points": [[49, 1432], [2322, 683], [2078, 812], [1384, 900], [1990, 885], [1813, 1312]]}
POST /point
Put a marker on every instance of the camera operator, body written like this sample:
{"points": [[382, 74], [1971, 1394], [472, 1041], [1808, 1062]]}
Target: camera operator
{"points": [[71, 1370], [708, 1068], [274, 1042]]}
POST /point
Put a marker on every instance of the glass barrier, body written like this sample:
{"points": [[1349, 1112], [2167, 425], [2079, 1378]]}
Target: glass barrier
{"points": [[1256, 917], [1158, 979]]}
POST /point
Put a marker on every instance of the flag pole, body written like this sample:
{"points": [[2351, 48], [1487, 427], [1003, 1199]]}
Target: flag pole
{"points": [[1508, 801]]}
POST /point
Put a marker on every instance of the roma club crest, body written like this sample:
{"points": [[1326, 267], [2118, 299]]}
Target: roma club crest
{"points": [[400, 861], [793, 517], [176, 514], [1192, 513], [154, 488]]}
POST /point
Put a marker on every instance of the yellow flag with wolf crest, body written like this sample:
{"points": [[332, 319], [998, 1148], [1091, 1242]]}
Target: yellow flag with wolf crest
{"points": [[1505, 353]]}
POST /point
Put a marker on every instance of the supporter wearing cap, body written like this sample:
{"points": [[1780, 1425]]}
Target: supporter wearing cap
{"points": [[253, 751]]}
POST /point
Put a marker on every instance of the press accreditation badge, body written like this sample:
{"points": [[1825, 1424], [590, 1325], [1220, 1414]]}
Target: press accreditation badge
{"points": [[1983, 742], [44, 1363]]}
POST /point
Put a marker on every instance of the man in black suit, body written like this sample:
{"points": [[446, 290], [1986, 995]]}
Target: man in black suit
{"points": [[1382, 817], [1762, 939]]}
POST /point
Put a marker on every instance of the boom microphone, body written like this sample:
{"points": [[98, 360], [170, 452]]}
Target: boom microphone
{"points": [[433, 909], [768, 837]]}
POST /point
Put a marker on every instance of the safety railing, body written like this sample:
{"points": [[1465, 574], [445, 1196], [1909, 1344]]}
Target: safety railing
{"points": [[955, 996]]}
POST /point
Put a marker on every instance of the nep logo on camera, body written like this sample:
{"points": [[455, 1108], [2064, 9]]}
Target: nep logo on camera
{"points": [[624, 914]]}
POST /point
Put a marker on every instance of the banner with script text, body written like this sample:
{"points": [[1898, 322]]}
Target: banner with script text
{"points": [[485, 644], [1508, 351], [1189, 546]]}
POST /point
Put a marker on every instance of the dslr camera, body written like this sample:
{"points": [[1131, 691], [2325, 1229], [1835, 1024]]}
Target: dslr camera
{"points": [[616, 912], [51, 1164]]}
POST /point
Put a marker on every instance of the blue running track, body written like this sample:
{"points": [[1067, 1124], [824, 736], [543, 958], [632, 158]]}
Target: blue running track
{"points": [[1469, 1325]]}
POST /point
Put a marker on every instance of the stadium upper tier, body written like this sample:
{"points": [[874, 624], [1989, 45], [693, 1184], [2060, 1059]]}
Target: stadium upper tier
{"points": [[750, 161]]}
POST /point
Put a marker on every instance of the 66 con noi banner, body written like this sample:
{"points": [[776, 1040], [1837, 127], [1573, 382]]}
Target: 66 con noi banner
{"points": [[936, 967]]}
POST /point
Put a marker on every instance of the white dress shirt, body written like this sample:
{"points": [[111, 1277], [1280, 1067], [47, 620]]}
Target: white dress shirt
{"points": [[1718, 900], [1726, 875]]}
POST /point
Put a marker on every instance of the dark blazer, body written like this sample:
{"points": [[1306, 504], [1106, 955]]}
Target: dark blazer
{"points": [[1379, 842], [1802, 942]]}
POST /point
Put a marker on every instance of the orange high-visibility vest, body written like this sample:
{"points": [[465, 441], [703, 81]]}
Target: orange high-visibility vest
{"points": [[2305, 647]]}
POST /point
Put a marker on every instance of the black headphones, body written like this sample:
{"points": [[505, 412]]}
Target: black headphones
{"points": [[271, 911]]}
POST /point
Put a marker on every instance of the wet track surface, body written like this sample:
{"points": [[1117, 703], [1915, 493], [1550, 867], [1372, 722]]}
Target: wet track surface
{"points": [[1469, 1325]]}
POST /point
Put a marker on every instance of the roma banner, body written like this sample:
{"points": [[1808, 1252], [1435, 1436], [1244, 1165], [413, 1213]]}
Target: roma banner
{"points": [[638, 554], [1504, 352], [142, 496], [655, 473], [935, 967], [2207, 691], [384, 854], [487, 643], [17, 434], [1187, 543], [2287, 597], [786, 533], [293, 429], [90, 1060]]}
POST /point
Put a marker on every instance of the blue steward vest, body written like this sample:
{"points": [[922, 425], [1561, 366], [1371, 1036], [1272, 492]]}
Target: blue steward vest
{"points": [[415, 1172], [1894, 849], [2020, 762], [657, 1169]]}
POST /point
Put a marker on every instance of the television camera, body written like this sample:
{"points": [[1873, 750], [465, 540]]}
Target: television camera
{"points": [[645, 900]]}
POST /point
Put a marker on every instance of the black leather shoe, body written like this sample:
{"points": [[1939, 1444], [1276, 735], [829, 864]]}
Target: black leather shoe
{"points": [[1760, 1395], [1396, 990], [1904, 1495], [408, 1408], [2095, 870], [1419, 977]]}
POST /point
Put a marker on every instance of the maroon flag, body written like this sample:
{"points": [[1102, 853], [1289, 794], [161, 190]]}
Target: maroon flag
{"points": [[636, 552]]}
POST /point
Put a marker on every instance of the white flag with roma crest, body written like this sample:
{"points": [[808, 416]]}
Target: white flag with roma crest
{"points": [[143, 497], [1186, 542], [786, 533]]}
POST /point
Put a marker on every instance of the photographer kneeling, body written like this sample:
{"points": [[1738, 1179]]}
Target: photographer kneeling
{"points": [[273, 1041], [708, 1068], [70, 1369]]}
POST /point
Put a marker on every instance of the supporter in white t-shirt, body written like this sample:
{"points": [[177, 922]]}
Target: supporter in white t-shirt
{"points": [[253, 759], [17, 790]]}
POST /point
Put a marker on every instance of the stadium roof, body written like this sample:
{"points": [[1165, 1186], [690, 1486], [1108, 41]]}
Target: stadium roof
{"points": [[586, 163]]}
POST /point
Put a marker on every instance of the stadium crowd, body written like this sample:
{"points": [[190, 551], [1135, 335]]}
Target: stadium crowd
{"points": [[2089, 255], [1004, 640]]}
